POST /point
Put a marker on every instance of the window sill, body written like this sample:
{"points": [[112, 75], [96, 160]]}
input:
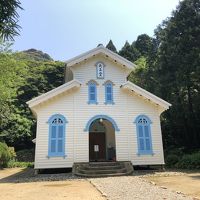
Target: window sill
{"points": [[53, 156], [145, 153], [92, 102], [109, 103]]}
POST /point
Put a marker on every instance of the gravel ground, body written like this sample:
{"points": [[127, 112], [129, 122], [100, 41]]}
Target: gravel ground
{"points": [[157, 173], [133, 187], [48, 177]]}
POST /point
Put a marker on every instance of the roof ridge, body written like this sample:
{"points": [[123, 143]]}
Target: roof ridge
{"points": [[100, 49]]}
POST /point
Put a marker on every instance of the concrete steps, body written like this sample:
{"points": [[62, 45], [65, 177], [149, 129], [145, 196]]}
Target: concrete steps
{"points": [[102, 169]]}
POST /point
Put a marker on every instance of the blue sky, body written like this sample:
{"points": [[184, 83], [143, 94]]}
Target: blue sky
{"points": [[66, 28]]}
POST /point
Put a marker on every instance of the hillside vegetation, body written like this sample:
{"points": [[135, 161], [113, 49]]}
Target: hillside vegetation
{"points": [[24, 75]]}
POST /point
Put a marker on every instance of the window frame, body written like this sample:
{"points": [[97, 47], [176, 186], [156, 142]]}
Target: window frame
{"points": [[149, 122], [51, 119], [109, 84], [92, 84]]}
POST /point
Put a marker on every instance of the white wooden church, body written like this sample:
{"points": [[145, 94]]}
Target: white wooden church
{"points": [[97, 115]]}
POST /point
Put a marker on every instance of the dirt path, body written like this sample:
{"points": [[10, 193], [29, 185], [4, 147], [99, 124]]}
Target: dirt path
{"points": [[21, 184], [46, 190], [189, 183]]}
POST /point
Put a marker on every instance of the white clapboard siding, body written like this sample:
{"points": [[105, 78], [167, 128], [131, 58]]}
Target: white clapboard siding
{"points": [[78, 112]]}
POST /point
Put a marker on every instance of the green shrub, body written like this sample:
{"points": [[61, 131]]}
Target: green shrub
{"points": [[195, 158], [12, 152], [176, 158], [184, 162], [13, 164], [25, 155], [171, 160], [6, 154], [189, 161]]}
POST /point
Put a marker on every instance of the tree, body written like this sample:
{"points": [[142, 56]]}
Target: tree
{"points": [[144, 44], [11, 76], [23, 76], [129, 52], [172, 71], [178, 74], [9, 19], [111, 46], [5, 46]]}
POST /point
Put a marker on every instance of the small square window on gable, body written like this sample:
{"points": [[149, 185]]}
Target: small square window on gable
{"points": [[100, 70]]}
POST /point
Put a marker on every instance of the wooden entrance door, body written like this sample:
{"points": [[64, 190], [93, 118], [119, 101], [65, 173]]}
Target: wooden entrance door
{"points": [[97, 138]]}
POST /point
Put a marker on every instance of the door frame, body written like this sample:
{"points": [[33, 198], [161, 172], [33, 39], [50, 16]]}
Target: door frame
{"points": [[105, 149], [104, 117]]}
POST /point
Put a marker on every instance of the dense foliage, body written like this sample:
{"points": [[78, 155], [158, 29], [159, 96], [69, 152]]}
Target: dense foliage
{"points": [[25, 155], [6, 154], [129, 52], [9, 19], [178, 74], [23, 77], [181, 160], [111, 46]]}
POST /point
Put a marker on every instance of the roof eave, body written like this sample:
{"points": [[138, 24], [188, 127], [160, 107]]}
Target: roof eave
{"points": [[52, 93], [151, 97]]}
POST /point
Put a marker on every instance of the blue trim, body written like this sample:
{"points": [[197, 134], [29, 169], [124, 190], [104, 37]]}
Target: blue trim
{"points": [[56, 153], [50, 120], [143, 116], [101, 117], [92, 101], [108, 101], [149, 122]]}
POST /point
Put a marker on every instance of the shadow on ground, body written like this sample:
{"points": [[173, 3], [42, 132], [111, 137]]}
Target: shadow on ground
{"points": [[195, 176], [27, 175]]}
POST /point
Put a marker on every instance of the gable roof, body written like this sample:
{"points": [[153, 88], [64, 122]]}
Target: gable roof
{"points": [[52, 93], [101, 50], [145, 94]]}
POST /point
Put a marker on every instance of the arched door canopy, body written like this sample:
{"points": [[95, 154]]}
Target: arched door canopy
{"points": [[87, 127]]}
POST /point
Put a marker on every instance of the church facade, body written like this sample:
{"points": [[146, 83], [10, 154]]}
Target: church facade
{"points": [[97, 115]]}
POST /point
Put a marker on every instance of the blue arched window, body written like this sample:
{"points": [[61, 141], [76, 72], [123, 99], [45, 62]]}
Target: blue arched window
{"points": [[108, 92], [56, 135], [143, 126], [92, 92]]}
